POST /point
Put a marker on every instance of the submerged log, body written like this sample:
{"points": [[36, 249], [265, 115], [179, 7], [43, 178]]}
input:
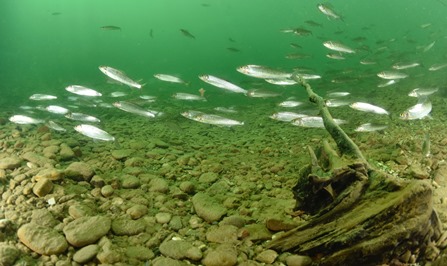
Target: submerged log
{"points": [[359, 215]]}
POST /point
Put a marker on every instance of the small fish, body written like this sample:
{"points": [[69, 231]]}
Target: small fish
{"points": [[263, 72], [400, 66], [223, 84], [170, 78], [314, 122], [232, 49], [151, 33], [55, 109], [255, 93], [388, 83], [294, 45], [281, 82], [336, 46], [328, 12], [338, 94], [313, 23], [428, 47], [56, 13], [369, 127], [290, 103], [367, 62], [422, 92], [229, 110], [307, 76], [211, 119], [437, 67], [119, 76], [134, 109], [110, 27], [82, 117], [366, 107], [297, 56], [187, 34], [336, 102], [391, 75], [83, 91], [426, 146], [94, 132], [335, 56], [24, 120], [117, 94], [42, 97], [187, 97], [421, 110], [286, 116], [55, 126]]}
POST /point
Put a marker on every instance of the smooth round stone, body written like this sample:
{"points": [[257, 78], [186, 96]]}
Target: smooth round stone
{"points": [[86, 253], [137, 211], [107, 191], [163, 217], [87, 230], [41, 239]]}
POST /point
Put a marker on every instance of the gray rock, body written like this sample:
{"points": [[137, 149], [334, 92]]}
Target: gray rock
{"points": [[222, 234], [207, 207], [128, 227], [297, 260], [139, 253], [10, 162], [86, 253], [41, 239], [137, 211], [158, 185], [87, 230], [180, 249], [52, 174], [209, 177], [162, 261], [130, 181], [107, 191], [163, 217], [8, 254], [66, 153], [224, 255], [36, 158], [79, 171], [121, 154], [267, 256], [42, 187], [43, 217]]}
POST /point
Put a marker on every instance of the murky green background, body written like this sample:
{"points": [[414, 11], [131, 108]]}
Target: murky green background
{"points": [[47, 45]]}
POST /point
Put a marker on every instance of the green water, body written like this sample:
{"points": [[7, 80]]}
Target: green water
{"points": [[47, 45]]}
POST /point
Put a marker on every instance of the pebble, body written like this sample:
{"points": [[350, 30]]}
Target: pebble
{"points": [[97, 181], [267, 256], [43, 217], [121, 154], [162, 261], [158, 185], [180, 249], [80, 210], [48, 173], [163, 217], [276, 225], [224, 255], [209, 177], [139, 253], [222, 234], [8, 254], [66, 153], [86, 253], [207, 207], [107, 191], [36, 158], [160, 144], [125, 226], [130, 181], [41, 239], [42, 187], [79, 171], [87, 230], [298, 260], [187, 187], [137, 211], [10, 163]]}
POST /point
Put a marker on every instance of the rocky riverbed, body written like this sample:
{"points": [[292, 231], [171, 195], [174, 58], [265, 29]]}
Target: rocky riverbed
{"points": [[174, 193]]}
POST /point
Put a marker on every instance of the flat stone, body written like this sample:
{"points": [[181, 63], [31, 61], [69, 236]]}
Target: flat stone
{"points": [[41, 239], [207, 207], [158, 185], [128, 227], [160, 144], [42, 187], [208, 177], [267, 256], [79, 171], [87, 230], [10, 162], [224, 255], [222, 234], [36, 158], [139, 253], [298, 260], [180, 249], [137, 211], [130, 181], [66, 153], [163, 217], [52, 174], [8, 254], [86, 253], [121, 154]]}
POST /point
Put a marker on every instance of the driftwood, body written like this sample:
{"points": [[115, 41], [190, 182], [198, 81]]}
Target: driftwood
{"points": [[359, 215]]}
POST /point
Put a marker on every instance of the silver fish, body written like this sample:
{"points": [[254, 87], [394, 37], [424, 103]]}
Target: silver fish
{"points": [[335, 56], [119, 76], [336, 46], [134, 109], [187, 97], [83, 91], [94, 132], [369, 127], [290, 103], [23, 120], [400, 66], [328, 12], [211, 119], [117, 94], [261, 94], [314, 122], [437, 67], [422, 92], [281, 82], [286, 116], [42, 97], [366, 107], [55, 109], [418, 111], [263, 72], [391, 75], [223, 84], [53, 125], [82, 117], [169, 78]]}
